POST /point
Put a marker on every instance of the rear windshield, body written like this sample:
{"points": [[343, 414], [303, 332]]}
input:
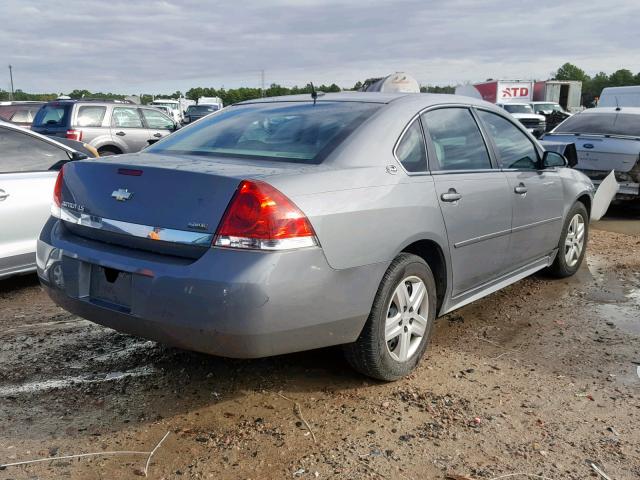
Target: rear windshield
{"points": [[295, 132], [52, 115], [624, 124]]}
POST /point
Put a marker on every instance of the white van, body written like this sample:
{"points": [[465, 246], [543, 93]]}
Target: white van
{"points": [[620, 97]]}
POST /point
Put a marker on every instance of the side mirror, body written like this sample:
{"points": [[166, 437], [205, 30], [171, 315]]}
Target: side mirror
{"points": [[79, 156], [553, 159]]}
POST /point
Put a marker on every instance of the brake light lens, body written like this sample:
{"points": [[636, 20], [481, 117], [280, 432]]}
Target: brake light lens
{"points": [[74, 135], [57, 194], [260, 217]]}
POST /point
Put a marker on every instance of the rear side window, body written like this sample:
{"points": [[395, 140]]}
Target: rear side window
{"points": [[52, 115], [23, 153], [602, 124], [90, 116], [515, 150], [126, 117], [300, 132], [157, 120], [411, 150], [456, 139]]}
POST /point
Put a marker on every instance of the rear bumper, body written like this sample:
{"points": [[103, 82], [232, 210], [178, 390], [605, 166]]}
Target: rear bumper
{"points": [[230, 303], [627, 189]]}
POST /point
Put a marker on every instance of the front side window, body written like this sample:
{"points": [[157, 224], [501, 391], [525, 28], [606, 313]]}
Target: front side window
{"points": [[300, 132], [90, 116], [411, 150], [125, 117], [456, 139], [515, 150], [23, 153], [157, 120]]}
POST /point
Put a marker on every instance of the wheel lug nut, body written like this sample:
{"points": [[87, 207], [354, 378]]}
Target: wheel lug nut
{"points": [[406, 329], [411, 309]]}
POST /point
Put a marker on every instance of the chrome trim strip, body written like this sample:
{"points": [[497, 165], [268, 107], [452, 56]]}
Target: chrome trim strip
{"points": [[489, 236], [135, 229], [535, 224], [481, 238]]}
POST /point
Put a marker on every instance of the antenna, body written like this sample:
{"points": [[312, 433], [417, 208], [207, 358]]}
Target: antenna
{"points": [[314, 94], [617, 105]]}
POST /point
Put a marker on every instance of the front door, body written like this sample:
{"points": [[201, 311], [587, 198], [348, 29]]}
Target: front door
{"points": [[474, 197], [536, 194], [128, 130], [157, 123]]}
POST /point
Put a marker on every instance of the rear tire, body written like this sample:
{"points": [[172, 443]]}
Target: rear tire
{"points": [[107, 152], [400, 323], [573, 242]]}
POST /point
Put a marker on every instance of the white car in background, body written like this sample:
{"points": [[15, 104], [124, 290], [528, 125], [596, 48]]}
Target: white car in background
{"points": [[29, 165]]}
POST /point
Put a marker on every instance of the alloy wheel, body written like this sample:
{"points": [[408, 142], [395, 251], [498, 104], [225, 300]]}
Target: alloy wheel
{"points": [[574, 242], [407, 318]]}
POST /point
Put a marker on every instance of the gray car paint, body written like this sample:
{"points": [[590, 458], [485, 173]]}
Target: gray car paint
{"points": [[245, 303]]}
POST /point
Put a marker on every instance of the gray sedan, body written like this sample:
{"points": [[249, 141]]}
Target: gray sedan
{"points": [[288, 224]]}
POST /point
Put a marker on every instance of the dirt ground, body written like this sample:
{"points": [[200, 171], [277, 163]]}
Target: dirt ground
{"points": [[538, 379]]}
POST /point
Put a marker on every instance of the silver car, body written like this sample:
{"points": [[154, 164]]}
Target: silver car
{"points": [[111, 127], [29, 165], [606, 139], [288, 224]]}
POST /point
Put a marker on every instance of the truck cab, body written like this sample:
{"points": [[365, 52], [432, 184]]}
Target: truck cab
{"points": [[534, 123]]}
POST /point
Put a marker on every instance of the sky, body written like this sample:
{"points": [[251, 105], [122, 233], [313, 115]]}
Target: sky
{"points": [[162, 46]]}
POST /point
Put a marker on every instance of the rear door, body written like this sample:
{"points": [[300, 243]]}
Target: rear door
{"points": [[537, 195], [474, 196], [26, 190], [158, 124], [128, 129]]}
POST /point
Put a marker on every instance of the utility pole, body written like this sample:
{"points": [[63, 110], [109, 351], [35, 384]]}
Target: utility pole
{"points": [[261, 83], [11, 77]]}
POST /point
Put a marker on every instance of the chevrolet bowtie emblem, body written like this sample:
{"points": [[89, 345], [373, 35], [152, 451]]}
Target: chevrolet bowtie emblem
{"points": [[122, 194]]}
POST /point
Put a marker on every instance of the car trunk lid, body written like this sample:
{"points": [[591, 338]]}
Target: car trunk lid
{"points": [[602, 152], [169, 204]]}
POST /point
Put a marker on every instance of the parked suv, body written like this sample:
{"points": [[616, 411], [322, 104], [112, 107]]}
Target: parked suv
{"points": [[111, 127], [535, 124]]}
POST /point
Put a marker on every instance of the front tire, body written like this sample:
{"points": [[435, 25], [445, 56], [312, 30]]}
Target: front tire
{"points": [[573, 242], [400, 323]]}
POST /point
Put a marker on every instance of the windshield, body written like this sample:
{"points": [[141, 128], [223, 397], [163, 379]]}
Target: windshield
{"points": [[170, 106], [624, 124], [547, 107], [52, 115], [202, 109], [518, 108], [296, 132]]}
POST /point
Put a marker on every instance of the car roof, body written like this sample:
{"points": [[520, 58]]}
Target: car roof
{"points": [[630, 110], [17, 128], [421, 100]]}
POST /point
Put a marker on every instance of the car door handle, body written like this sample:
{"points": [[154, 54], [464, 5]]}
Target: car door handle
{"points": [[120, 134], [451, 196], [158, 135], [520, 189], [3, 195]]}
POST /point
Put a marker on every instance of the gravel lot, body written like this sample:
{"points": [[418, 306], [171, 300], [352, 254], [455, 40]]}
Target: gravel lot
{"points": [[538, 379]]}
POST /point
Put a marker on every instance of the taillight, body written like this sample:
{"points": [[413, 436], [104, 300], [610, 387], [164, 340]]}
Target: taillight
{"points": [[260, 217], [74, 135], [57, 194]]}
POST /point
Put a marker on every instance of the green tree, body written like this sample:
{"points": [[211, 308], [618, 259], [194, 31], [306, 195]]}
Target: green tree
{"points": [[569, 71], [621, 78]]}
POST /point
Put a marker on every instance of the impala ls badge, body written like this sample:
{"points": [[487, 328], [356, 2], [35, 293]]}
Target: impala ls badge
{"points": [[122, 194]]}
